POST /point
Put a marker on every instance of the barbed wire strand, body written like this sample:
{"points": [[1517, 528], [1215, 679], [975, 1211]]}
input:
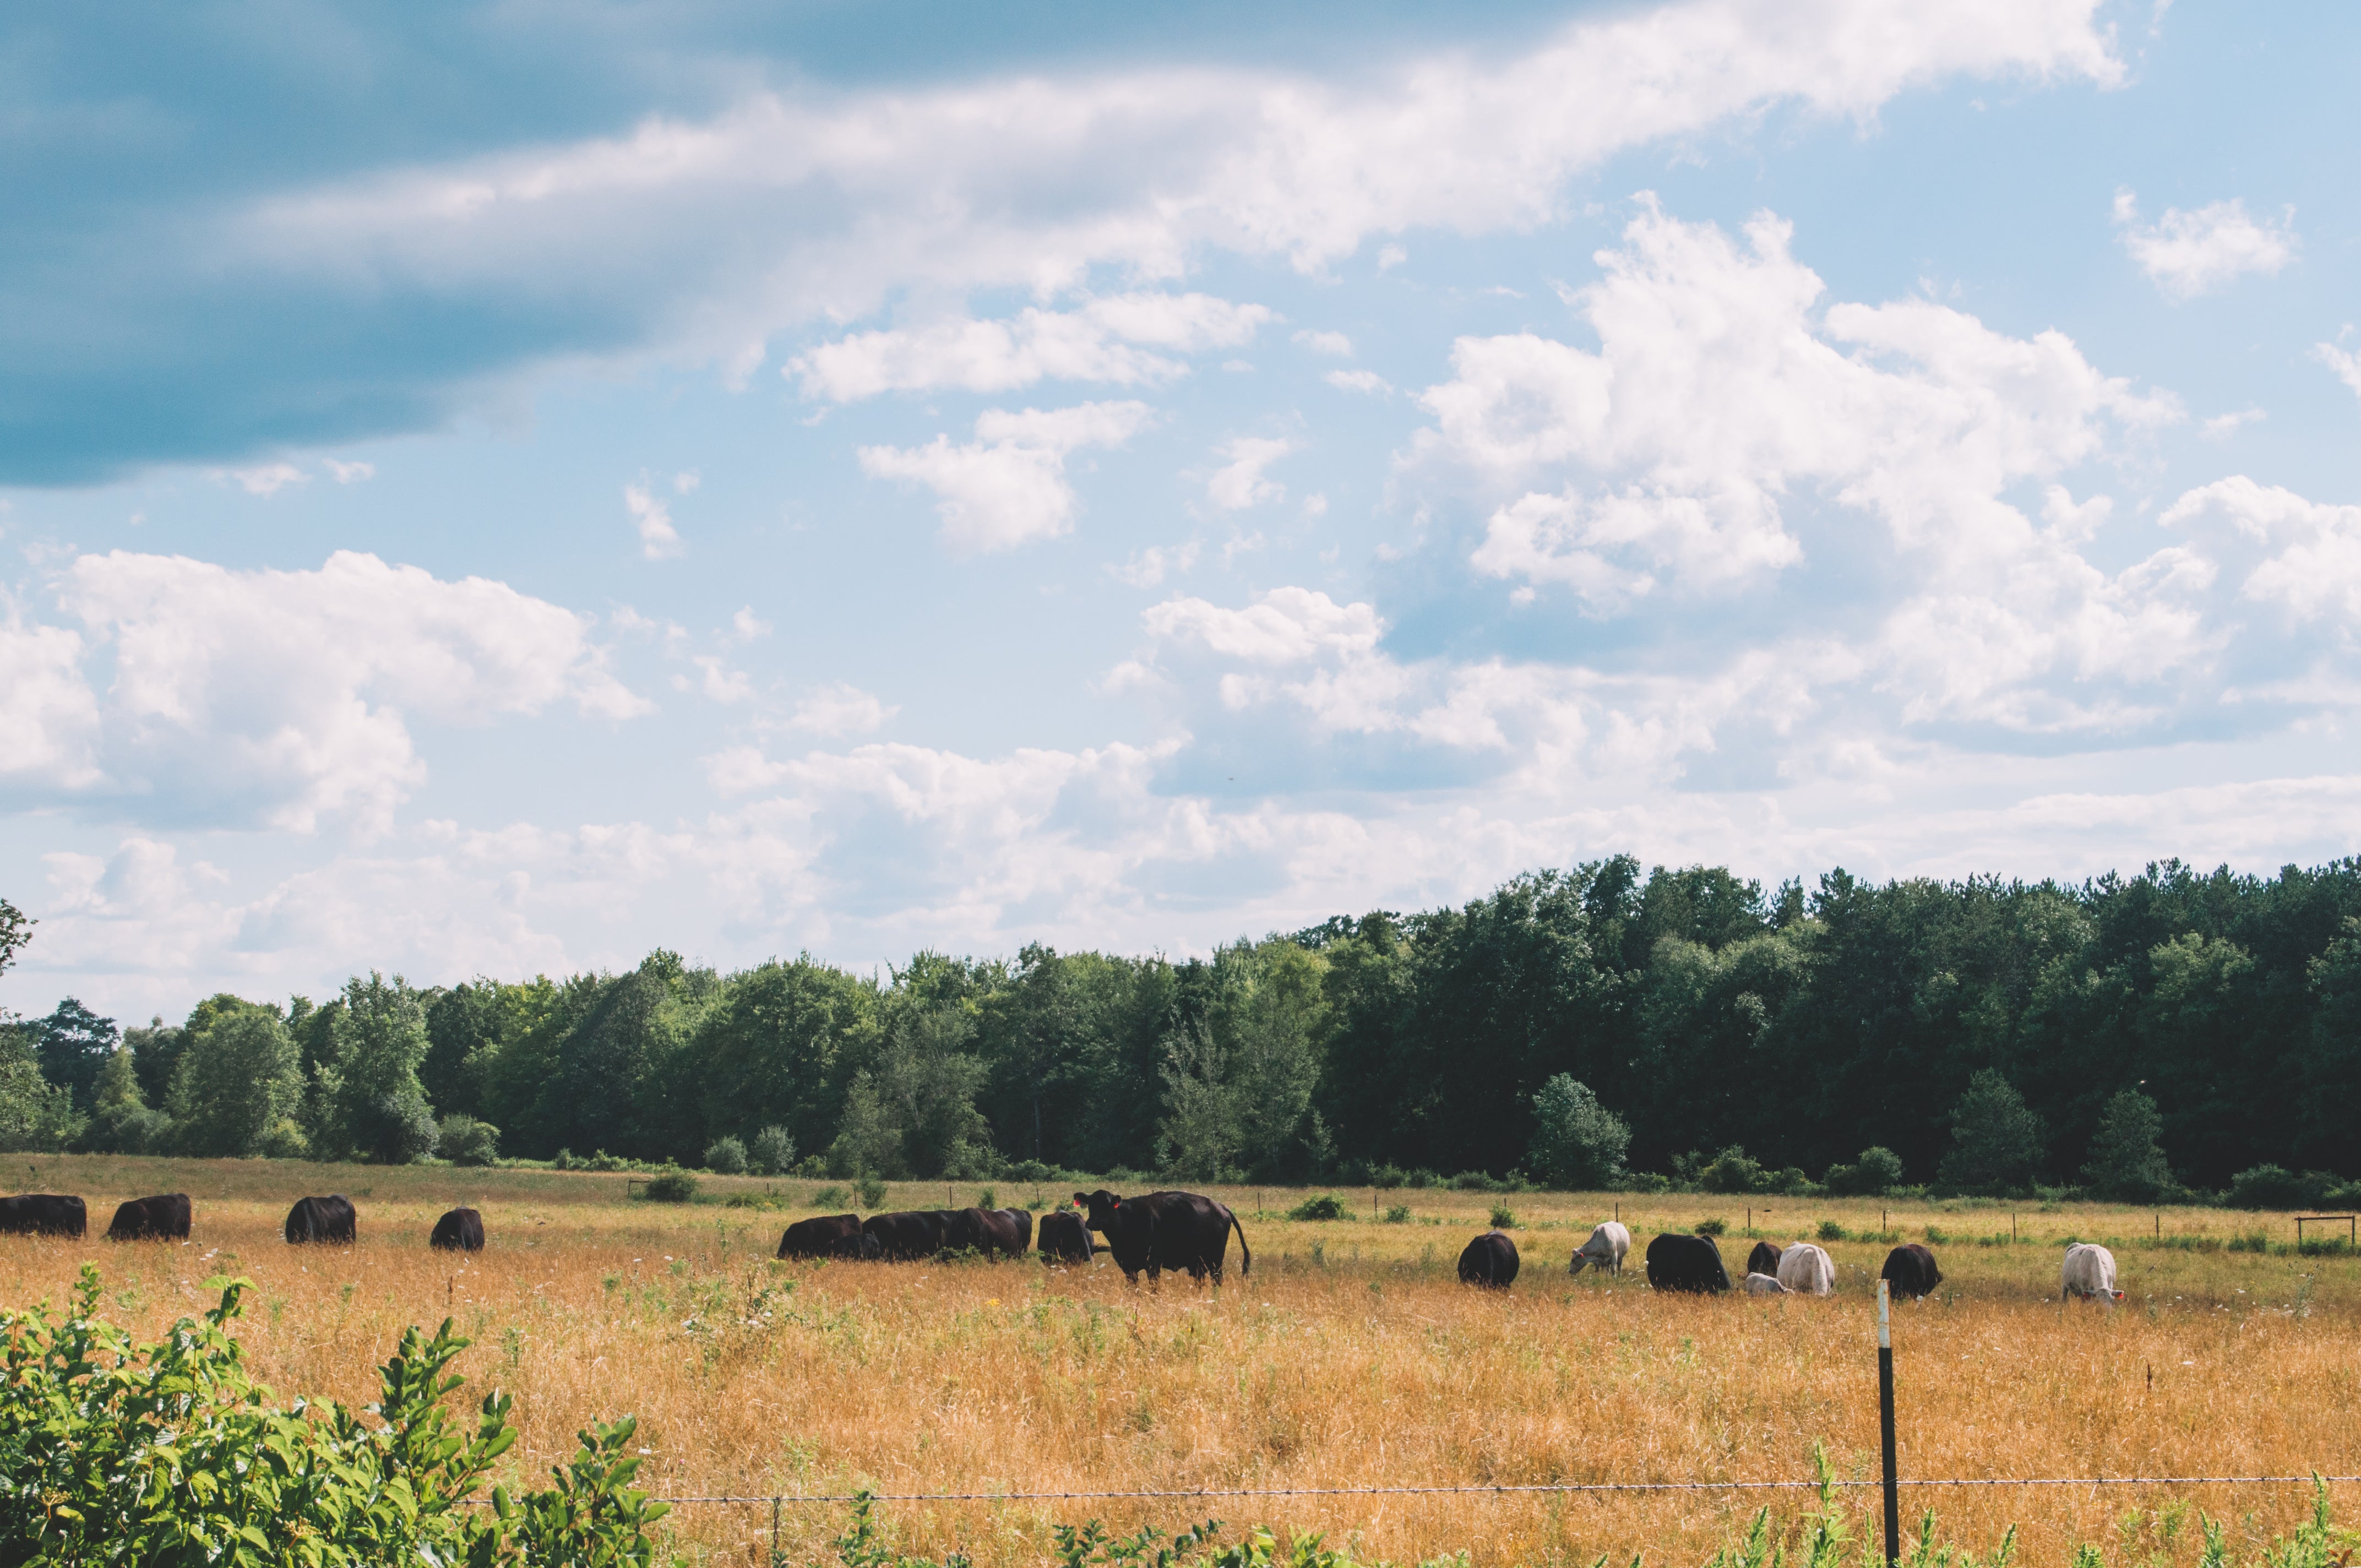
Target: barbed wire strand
{"points": [[1466, 1490]]}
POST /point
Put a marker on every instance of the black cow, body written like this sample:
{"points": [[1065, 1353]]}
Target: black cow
{"points": [[962, 1229], [1678, 1261], [1490, 1260], [997, 1233], [326, 1219], [1064, 1237], [903, 1238], [859, 1246], [1763, 1259], [44, 1214], [461, 1230], [1910, 1271], [1166, 1229], [817, 1237], [1023, 1219], [160, 1219]]}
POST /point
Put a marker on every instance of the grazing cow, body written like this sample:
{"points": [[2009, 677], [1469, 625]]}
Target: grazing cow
{"points": [[1607, 1246], [994, 1232], [1806, 1269], [1166, 1229], [1678, 1261], [329, 1219], [817, 1237], [1766, 1285], [1064, 1237], [2089, 1274], [461, 1230], [44, 1214], [907, 1237], [858, 1247], [1763, 1259], [1490, 1261], [160, 1219], [1910, 1271], [1023, 1219]]}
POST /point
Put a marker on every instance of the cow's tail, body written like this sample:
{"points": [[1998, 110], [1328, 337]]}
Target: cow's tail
{"points": [[1246, 1256]]}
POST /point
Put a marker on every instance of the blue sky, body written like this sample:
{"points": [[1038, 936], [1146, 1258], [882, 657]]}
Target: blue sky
{"points": [[498, 490]]}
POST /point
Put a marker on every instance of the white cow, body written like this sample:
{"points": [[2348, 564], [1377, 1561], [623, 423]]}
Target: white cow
{"points": [[1766, 1285], [2090, 1271], [1606, 1248], [1806, 1269]]}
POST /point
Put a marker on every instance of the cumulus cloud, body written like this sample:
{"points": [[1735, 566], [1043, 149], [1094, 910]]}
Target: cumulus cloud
{"points": [[1112, 340], [1147, 567], [1722, 385], [271, 697], [1330, 343], [1357, 381], [2310, 560], [2187, 254], [2346, 365], [652, 515], [1240, 483], [1008, 487]]}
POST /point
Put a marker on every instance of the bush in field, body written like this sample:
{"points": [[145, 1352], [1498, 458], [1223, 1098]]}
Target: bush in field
{"points": [[672, 1186], [1877, 1172], [463, 1140], [773, 1152], [726, 1156], [1503, 1217], [1711, 1227], [2274, 1187], [1578, 1144], [2126, 1163], [170, 1454], [872, 1191], [1327, 1206], [1732, 1170]]}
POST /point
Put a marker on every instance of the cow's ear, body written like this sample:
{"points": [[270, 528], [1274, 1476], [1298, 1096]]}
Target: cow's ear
{"points": [[1081, 1199]]}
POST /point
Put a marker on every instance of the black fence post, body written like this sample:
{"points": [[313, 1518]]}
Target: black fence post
{"points": [[1885, 1424]]}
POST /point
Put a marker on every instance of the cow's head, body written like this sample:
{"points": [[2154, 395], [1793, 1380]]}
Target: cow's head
{"points": [[1101, 1209]]}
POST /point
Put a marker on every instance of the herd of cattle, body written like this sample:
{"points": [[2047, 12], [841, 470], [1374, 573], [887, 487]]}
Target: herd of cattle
{"points": [[1179, 1231]]}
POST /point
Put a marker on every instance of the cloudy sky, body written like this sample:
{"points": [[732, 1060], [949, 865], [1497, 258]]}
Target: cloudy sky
{"points": [[498, 490]]}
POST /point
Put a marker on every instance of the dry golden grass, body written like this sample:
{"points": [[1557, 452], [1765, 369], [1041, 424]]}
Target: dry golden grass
{"points": [[1351, 1357]]}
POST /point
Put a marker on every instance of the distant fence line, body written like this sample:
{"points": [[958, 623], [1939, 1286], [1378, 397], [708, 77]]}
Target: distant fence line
{"points": [[1183, 1494]]}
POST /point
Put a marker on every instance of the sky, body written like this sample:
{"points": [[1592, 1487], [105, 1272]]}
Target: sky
{"points": [[499, 489]]}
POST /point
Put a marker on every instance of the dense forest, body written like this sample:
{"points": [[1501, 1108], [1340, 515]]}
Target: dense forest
{"points": [[1987, 1033]]}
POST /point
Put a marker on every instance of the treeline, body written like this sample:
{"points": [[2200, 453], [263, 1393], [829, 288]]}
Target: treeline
{"points": [[1580, 1023]]}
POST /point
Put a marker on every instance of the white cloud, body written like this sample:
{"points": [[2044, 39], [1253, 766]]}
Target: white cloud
{"points": [[721, 682], [1239, 483], [1008, 487], [350, 473], [1357, 381], [839, 710], [1109, 340], [1284, 626], [2311, 560], [652, 515], [2189, 254], [1334, 343], [788, 208], [1720, 387], [2220, 427], [266, 480], [1150, 566], [273, 697], [748, 626], [2346, 365]]}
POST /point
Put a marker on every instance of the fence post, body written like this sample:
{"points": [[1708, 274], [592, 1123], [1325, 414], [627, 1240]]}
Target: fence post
{"points": [[776, 1559], [1885, 1424]]}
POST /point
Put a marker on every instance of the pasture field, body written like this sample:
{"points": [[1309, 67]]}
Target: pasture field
{"points": [[1350, 1357]]}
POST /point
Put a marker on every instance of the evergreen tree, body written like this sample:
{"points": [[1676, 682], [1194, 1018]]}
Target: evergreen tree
{"points": [[72, 1044], [2128, 1162], [1996, 1141]]}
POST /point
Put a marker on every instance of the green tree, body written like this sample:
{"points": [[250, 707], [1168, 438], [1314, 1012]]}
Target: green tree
{"points": [[72, 1044], [1578, 1144], [35, 1114], [239, 1086], [868, 1140], [368, 1077], [154, 1053], [1270, 1012], [15, 930], [1199, 1138], [1996, 1141], [772, 1153], [928, 1083], [121, 1121], [464, 1140], [2128, 1161]]}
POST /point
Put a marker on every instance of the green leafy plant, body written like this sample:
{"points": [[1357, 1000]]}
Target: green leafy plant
{"points": [[1715, 1227], [1503, 1217], [872, 1191], [1398, 1214], [672, 1186], [1326, 1206], [170, 1454]]}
